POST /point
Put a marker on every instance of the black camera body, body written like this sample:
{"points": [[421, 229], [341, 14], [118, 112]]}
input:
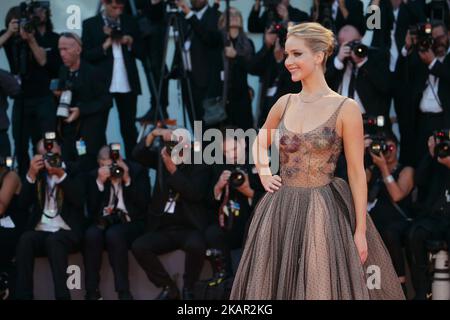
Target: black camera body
{"points": [[359, 49], [280, 29], [114, 153], [378, 145], [424, 36], [115, 217], [28, 19], [116, 31], [237, 177], [53, 159], [442, 148]]}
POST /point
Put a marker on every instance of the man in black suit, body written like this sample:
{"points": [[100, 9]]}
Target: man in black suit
{"points": [[111, 41], [365, 79], [283, 12], [83, 128], [117, 206], [396, 18], [56, 201], [8, 87], [338, 13], [425, 74], [202, 51], [177, 217]]}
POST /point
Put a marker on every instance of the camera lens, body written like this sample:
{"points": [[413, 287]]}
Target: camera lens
{"points": [[237, 178]]}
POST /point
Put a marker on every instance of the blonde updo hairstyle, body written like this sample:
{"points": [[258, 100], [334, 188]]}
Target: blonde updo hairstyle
{"points": [[317, 38]]}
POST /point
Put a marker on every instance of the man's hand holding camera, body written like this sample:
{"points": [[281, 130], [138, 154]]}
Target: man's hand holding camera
{"points": [[167, 160], [431, 147], [223, 181], [36, 165], [125, 40], [13, 27]]}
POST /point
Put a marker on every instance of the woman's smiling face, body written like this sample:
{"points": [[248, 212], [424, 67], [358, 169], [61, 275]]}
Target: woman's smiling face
{"points": [[300, 60]]}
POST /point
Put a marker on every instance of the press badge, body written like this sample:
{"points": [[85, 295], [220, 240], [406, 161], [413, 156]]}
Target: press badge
{"points": [[81, 147], [170, 206]]}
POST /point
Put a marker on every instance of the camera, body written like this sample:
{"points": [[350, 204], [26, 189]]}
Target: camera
{"points": [[29, 21], [325, 16], [237, 177], [424, 36], [442, 148], [6, 162], [379, 146], [116, 31], [280, 30], [373, 122], [359, 49], [117, 216], [114, 153], [65, 101], [53, 159]]}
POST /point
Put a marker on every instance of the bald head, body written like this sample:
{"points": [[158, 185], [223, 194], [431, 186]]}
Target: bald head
{"points": [[348, 33], [70, 50]]}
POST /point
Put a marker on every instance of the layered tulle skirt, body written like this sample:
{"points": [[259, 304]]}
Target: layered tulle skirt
{"points": [[300, 246]]}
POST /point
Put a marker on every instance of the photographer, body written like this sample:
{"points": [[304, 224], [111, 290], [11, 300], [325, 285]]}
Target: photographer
{"points": [[268, 64], [424, 68], [275, 11], [11, 223], [236, 191], [335, 14], [177, 216], [360, 73], [433, 213], [238, 51], [390, 185], [201, 54], [8, 87], [117, 205], [55, 223], [84, 105], [111, 41], [31, 48]]}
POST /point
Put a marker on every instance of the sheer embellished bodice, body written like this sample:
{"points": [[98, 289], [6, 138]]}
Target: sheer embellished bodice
{"points": [[309, 159]]}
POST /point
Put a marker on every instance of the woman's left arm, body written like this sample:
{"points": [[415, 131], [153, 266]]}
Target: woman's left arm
{"points": [[353, 136]]}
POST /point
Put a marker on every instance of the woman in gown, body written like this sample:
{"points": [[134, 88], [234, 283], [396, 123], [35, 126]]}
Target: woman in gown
{"points": [[310, 236]]}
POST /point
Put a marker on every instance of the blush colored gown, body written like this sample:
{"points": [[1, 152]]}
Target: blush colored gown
{"points": [[300, 242]]}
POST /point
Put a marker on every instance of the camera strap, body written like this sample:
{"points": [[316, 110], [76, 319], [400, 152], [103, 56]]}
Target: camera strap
{"points": [[115, 195], [50, 195], [433, 88]]}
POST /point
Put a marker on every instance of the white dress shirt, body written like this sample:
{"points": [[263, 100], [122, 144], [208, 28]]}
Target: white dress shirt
{"points": [[119, 81], [335, 9], [430, 99], [51, 220], [344, 87]]}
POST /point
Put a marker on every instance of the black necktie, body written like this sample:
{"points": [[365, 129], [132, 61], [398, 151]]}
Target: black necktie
{"points": [[351, 86]]}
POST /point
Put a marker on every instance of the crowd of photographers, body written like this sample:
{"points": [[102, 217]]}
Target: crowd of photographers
{"points": [[78, 194]]}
